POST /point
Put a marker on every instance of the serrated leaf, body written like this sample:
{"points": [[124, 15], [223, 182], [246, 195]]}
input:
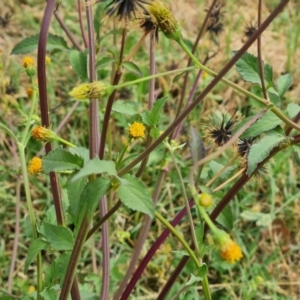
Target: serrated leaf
{"points": [[93, 192], [35, 247], [59, 237], [57, 269], [154, 132], [49, 294], [196, 145], [129, 108], [74, 190], [284, 82], [78, 62], [151, 118], [261, 149], [202, 271], [96, 166], [54, 42], [82, 152], [293, 109], [248, 68], [132, 67], [104, 61], [193, 279], [136, 196], [225, 218], [61, 160], [267, 122]]}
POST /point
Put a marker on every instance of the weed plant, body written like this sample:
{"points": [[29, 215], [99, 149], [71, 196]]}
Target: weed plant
{"points": [[142, 178]]}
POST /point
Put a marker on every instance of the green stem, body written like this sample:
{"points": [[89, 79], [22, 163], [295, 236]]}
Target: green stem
{"points": [[65, 142], [188, 209], [262, 101], [21, 148], [153, 76], [204, 282], [25, 136], [179, 237]]}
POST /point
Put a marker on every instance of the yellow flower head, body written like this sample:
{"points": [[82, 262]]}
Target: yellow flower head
{"points": [[41, 133], [137, 130], [28, 62], [35, 166], [165, 20], [48, 60], [96, 89], [229, 250]]}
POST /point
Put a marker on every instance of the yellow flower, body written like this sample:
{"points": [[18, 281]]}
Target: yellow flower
{"points": [[229, 250], [41, 133], [96, 89], [28, 62], [35, 166], [47, 60], [164, 19], [137, 130]]}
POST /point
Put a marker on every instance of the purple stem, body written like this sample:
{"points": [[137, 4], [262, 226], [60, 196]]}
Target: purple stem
{"points": [[151, 252]]}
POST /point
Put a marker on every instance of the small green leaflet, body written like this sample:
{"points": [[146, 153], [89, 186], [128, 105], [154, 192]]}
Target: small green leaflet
{"points": [[225, 218], [96, 166], [93, 192], [59, 237], [151, 118], [54, 42], [284, 82], [78, 62], [296, 149], [293, 109], [35, 247], [49, 294], [135, 195], [132, 67], [82, 152], [267, 122], [104, 61], [248, 68], [261, 149], [129, 108], [61, 160]]}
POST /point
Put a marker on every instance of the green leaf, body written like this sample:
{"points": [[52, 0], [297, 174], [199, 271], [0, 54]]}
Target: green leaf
{"points": [[49, 294], [29, 44], [293, 109], [196, 145], [129, 108], [284, 82], [132, 67], [59, 237], [248, 68], [96, 166], [202, 271], [261, 149], [104, 61], [267, 122], [226, 218], [57, 270], [93, 192], [194, 279], [151, 118], [78, 62], [136, 196], [296, 149], [74, 190], [154, 132], [61, 160], [82, 152], [35, 247], [178, 76]]}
